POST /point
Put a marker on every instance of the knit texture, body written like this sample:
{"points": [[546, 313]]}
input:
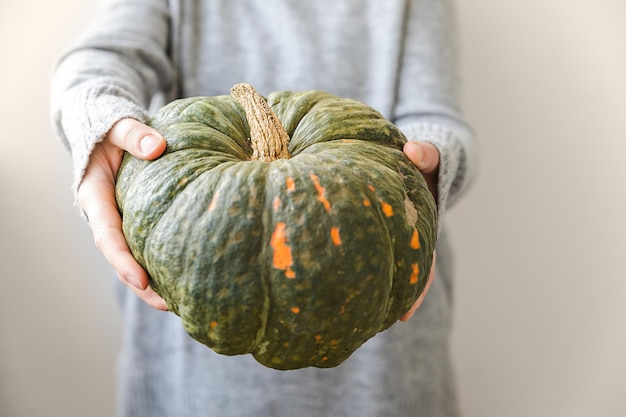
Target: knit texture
{"points": [[395, 55]]}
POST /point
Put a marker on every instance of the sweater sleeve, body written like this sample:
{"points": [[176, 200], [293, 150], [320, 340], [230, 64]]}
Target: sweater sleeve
{"points": [[112, 72], [427, 107]]}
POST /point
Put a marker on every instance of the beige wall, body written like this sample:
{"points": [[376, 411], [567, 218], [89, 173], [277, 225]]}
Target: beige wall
{"points": [[541, 238]]}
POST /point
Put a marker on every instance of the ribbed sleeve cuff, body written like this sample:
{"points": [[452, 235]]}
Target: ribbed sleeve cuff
{"points": [[455, 166], [87, 127]]}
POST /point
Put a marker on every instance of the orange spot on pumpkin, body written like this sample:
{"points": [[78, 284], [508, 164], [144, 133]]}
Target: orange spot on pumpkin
{"points": [[295, 310], [213, 202], [291, 184], [387, 208], [276, 203], [334, 235], [321, 192], [414, 274], [282, 258], [415, 240]]}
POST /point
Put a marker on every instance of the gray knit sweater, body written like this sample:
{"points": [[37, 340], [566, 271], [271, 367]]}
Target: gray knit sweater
{"points": [[395, 55]]}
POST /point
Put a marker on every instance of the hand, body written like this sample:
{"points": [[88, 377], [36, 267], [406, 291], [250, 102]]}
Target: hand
{"points": [[425, 156], [96, 197]]}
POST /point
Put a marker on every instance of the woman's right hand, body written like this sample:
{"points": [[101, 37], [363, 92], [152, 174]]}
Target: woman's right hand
{"points": [[96, 197]]}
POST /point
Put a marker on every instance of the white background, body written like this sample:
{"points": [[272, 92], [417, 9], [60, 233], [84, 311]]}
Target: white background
{"points": [[541, 238]]}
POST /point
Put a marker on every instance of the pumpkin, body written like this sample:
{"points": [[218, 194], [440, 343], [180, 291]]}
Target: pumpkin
{"points": [[290, 227]]}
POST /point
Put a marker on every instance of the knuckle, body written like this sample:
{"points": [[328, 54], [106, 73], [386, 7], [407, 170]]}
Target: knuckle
{"points": [[126, 133]]}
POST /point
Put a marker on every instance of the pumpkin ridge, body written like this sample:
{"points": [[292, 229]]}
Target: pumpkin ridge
{"points": [[266, 253], [265, 281], [217, 114], [261, 264], [200, 137], [146, 170], [291, 107], [326, 122], [355, 297], [173, 204], [373, 197], [360, 166], [236, 322]]}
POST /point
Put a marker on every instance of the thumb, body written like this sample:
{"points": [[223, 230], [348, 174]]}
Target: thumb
{"points": [[424, 155], [137, 138]]}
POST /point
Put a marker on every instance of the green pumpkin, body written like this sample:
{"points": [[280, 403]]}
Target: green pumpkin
{"points": [[292, 228]]}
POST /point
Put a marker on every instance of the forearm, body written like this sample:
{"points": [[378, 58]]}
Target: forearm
{"points": [[428, 99], [111, 73]]}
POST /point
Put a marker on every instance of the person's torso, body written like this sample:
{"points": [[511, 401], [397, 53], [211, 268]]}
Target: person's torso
{"points": [[351, 48]]}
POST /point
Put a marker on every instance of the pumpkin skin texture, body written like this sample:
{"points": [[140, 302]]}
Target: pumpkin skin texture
{"points": [[298, 256]]}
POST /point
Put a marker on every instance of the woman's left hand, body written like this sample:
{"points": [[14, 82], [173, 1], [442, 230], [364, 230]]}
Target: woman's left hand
{"points": [[425, 156]]}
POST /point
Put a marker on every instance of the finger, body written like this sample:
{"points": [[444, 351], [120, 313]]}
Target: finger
{"points": [[137, 138], [424, 155], [106, 226], [150, 297], [421, 297]]}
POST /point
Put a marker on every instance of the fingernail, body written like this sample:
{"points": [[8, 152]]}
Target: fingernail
{"points": [[134, 281], [148, 144]]}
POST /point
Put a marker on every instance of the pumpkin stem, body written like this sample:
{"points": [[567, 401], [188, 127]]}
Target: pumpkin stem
{"points": [[268, 136]]}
